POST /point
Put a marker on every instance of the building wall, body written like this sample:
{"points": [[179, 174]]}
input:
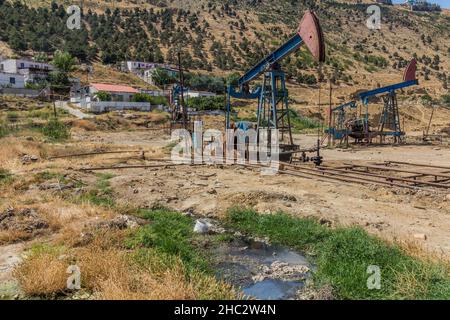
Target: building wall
{"points": [[106, 106], [14, 65], [12, 80], [116, 96], [196, 94], [8, 66], [135, 65]]}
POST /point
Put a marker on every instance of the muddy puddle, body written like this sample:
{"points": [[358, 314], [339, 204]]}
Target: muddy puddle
{"points": [[262, 271]]}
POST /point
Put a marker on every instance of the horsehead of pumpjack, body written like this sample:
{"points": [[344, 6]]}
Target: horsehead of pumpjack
{"points": [[410, 71], [311, 33]]}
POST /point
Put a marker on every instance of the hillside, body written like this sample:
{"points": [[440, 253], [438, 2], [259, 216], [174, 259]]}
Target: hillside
{"points": [[222, 37]]}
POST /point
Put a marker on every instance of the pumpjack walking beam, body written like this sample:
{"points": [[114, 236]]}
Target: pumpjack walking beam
{"points": [[389, 124], [390, 117], [273, 110]]}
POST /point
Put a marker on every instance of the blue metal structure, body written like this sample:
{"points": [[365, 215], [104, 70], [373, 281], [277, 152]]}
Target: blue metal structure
{"points": [[390, 118], [290, 46], [389, 124], [340, 130], [264, 65], [272, 95], [176, 93]]}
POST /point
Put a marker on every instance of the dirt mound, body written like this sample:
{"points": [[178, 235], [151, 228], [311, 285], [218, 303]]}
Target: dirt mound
{"points": [[86, 125], [253, 198], [25, 220]]}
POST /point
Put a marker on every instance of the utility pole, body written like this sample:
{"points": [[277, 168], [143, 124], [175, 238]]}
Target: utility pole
{"points": [[330, 113], [52, 96], [431, 118], [183, 107]]}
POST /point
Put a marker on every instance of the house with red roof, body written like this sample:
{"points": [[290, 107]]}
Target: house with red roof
{"points": [[104, 97], [117, 92]]}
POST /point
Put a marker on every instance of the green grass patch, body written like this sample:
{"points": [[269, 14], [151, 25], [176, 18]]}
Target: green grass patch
{"points": [[300, 123], [49, 175], [12, 116], [170, 234], [6, 129], [5, 177], [56, 131], [102, 194], [446, 100], [343, 255]]}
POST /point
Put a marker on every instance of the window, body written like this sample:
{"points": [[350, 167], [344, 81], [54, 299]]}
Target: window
{"points": [[12, 80], [1, 67], [22, 65]]}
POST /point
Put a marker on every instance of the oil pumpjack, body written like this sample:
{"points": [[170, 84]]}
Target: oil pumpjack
{"points": [[273, 109]]}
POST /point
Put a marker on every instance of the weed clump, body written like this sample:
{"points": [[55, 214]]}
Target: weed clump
{"points": [[102, 194], [6, 177], [56, 131]]}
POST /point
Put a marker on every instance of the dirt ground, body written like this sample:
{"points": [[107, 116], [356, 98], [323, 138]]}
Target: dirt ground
{"points": [[393, 214]]}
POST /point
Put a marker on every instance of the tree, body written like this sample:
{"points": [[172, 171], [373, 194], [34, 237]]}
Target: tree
{"points": [[64, 62], [41, 57], [162, 77], [103, 96], [141, 97], [232, 79]]}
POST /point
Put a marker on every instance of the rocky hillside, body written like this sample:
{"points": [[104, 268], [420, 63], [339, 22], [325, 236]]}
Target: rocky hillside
{"points": [[226, 36]]}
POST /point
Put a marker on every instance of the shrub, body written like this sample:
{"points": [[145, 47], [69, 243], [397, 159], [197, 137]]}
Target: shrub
{"points": [[5, 176], [143, 97], [446, 100], [103, 96], [426, 98], [12, 116], [56, 130], [207, 103]]}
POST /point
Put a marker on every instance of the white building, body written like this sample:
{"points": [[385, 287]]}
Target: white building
{"points": [[145, 70], [11, 80], [15, 65], [117, 92], [31, 70], [133, 66], [198, 94]]}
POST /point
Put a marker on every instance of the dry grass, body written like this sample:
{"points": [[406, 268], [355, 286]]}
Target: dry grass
{"points": [[64, 219], [111, 273], [416, 250], [121, 284], [12, 236], [106, 74], [16, 231], [157, 117], [410, 285], [84, 124], [42, 274], [13, 148]]}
